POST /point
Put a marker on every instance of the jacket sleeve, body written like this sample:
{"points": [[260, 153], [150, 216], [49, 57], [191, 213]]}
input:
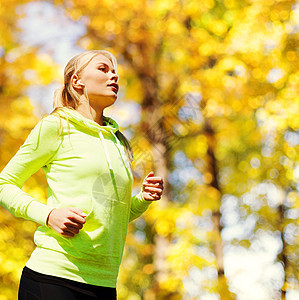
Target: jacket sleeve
{"points": [[138, 206], [37, 151]]}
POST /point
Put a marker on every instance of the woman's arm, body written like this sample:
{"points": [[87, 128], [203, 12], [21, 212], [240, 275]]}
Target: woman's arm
{"points": [[37, 151], [138, 206], [152, 189]]}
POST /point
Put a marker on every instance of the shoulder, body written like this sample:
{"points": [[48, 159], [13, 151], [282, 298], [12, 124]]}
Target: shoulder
{"points": [[50, 118], [48, 124], [46, 129]]}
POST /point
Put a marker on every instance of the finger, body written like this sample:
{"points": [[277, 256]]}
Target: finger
{"points": [[77, 211], [157, 195], [150, 174], [157, 184], [76, 218], [67, 234], [72, 229], [154, 194], [154, 179], [74, 225], [152, 189], [153, 197]]}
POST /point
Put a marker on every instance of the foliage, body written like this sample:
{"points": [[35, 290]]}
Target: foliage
{"points": [[239, 58], [217, 82], [21, 67]]}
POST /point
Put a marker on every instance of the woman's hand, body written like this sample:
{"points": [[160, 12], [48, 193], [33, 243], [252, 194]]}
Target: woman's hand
{"points": [[67, 221], [152, 187]]}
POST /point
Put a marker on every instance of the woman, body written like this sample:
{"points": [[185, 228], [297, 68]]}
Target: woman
{"points": [[87, 164]]}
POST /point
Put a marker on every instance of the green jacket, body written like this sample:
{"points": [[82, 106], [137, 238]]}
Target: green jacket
{"points": [[86, 167]]}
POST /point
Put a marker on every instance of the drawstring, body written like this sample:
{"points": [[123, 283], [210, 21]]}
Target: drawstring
{"points": [[105, 149], [109, 164]]}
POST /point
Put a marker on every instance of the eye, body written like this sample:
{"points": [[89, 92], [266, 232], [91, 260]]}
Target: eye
{"points": [[102, 69]]}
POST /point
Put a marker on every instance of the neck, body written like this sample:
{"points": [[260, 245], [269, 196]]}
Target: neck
{"points": [[89, 112]]}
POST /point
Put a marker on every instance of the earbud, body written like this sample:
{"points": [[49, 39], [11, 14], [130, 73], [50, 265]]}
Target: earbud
{"points": [[80, 83]]}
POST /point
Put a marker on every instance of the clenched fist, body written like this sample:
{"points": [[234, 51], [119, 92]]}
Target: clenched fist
{"points": [[152, 187], [67, 221]]}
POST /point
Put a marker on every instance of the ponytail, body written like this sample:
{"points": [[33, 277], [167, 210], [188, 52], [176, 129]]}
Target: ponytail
{"points": [[58, 97], [126, 143], [62, 98]]}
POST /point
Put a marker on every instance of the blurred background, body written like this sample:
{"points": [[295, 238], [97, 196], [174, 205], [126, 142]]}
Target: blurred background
{"points": [[209, 100]]}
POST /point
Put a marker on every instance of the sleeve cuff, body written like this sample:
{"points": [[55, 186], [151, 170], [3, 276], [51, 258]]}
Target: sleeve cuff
{"points": [[141, 199], [38, 212]]}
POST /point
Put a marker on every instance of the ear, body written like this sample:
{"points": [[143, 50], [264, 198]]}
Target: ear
{"points": [[75, 82]]}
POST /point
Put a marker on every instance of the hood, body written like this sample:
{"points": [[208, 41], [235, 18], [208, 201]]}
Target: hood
{"points": [[71, 114], [109, 127]]}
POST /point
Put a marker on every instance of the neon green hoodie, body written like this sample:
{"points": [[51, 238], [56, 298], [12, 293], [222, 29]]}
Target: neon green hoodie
{"points": [[86, 167]]}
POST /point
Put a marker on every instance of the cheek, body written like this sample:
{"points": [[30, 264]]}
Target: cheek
{"points": [[96, 78], [99, 76]]}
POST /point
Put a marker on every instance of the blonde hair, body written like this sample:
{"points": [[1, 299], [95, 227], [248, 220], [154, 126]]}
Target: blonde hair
{"points": [[67, 96]]}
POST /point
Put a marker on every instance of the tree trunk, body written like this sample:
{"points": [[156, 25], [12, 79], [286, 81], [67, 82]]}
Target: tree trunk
{"points": [[161, 242], [157, 137], [217, 245], [282, 256]]}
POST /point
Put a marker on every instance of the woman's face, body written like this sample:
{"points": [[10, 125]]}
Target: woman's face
{"points": [[100, 81]]}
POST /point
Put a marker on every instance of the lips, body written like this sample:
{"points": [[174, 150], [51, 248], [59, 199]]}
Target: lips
{"points": [[114, 85]]}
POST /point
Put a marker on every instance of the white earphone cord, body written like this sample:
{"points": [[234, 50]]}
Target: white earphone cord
{"points": [[86, 95]]}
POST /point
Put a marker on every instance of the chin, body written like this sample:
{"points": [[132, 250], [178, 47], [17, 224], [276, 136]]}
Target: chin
{"points": [[114, 98], [105, 100], [111, 100]]}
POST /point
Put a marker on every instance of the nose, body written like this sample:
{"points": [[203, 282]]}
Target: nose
{"points": [[114, 76]]}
